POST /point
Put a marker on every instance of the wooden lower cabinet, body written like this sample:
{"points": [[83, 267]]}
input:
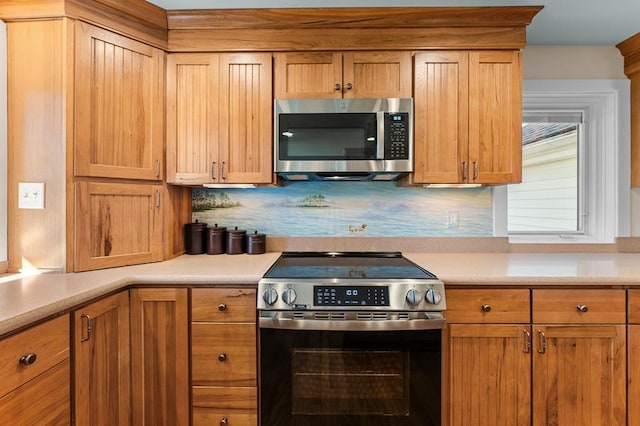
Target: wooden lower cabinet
{"points": [[160, 356], [102, 362], [225, 405]]}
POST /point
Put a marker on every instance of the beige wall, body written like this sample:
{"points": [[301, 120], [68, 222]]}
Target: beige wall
{"points": [[572, 62]]}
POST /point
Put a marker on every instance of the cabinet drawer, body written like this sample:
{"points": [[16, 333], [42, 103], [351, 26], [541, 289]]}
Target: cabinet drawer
{"points": [[214, 416], [223, 304], [579, 306], [49, 342], [226, 398], [223, 354], [634, 306], [509, 306]]}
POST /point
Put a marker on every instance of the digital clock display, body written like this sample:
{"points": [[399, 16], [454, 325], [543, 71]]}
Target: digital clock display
{"points": [[351, 295]]}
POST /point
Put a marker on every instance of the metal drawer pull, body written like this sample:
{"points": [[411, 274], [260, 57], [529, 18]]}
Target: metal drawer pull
{"points": [[464, 170], [224, 421], [582, 308], [527, 341], [222, 357], [28, 359], [337, 87], [213, 170], [222, 175], [486, 308], [475, 170], [88, 318], [222, 307], [543, 342]]}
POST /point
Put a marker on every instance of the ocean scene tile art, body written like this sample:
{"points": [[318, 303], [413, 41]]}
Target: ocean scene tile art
{"points": [[341, 209]]}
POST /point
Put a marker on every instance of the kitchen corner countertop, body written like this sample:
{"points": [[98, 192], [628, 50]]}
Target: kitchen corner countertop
{"points": [[27, 299]]}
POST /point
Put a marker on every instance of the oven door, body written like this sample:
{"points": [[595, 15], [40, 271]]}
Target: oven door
{"points": [[350, 377]]}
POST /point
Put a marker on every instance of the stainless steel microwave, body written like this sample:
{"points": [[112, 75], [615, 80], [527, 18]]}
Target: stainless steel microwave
{"points": [[343, 139]]}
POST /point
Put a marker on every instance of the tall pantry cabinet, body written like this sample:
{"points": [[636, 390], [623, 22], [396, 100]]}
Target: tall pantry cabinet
{"points": [[86, 117]]}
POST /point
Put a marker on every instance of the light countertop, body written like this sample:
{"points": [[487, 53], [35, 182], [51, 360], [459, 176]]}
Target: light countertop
{"points": [[27, 299]]}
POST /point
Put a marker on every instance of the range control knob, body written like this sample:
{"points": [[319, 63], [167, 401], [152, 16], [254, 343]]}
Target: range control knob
{"points": [[413, 297], [270, 296], [289, 296], [433, 296]]}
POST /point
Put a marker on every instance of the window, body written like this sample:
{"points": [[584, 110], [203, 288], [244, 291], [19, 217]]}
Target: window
{"points": [[575, 165]]}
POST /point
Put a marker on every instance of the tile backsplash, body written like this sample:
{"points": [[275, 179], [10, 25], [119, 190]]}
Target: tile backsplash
{"points": [[343, 209]]}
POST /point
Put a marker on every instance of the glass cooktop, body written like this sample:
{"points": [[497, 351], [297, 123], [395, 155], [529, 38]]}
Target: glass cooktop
{"points": [[343, 265]]}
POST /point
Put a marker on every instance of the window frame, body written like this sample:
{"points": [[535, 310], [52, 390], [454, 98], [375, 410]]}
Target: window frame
{"points": [[607, 148]]}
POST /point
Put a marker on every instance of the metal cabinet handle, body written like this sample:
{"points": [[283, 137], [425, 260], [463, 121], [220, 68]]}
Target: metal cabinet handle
{"points": [[28, 359], [158, 198], [475, 170], [213, 170], [224, 421], [582, 308], [222, 307], [543, 342], [88, 328], [222, 175], [349, 86], [157, 168], [465, 170], [485, 308], [337, 87], [222, 357], [527, 341]]}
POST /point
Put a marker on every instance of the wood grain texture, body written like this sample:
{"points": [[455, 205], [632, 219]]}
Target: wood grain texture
{"points": [[633, 310], [48, 341], [177, 213], [237, 341], [580, 379], [489, 375], [160, 356], [102, 363], [630, 49], [377, 74], [506, 306], [441, 96], [119, 106], [560, 306], [213, 416], [223, 305], [307, 75], [226, 397], [633, 374], [44, 400], [117, 224]]}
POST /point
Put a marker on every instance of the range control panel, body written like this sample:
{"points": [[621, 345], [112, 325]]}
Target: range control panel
{"points": [[351, 295]]}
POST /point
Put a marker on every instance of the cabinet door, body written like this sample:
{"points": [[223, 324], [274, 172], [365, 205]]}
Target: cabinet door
{"points": [[495, 117], [441, 117], [192, 118], [376, 75], [633, 374], [579, 375], [244, 130], [102, 369], [119, 108], [160, 356], [489, 375], [308, 75], [117, 224]]}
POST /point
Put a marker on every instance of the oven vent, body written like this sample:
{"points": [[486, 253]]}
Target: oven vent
{"points": [[297, 315], [372, 316], [404, 316], [329, 316]]}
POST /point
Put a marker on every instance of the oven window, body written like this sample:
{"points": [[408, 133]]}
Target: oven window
{"points": [[349, 382]]}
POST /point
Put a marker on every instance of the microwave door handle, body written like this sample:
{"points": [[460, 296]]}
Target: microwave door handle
{"points": [[380, 138]]}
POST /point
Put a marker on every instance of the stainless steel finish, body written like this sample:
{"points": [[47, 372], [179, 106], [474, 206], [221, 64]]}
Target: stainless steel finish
{"points": [[157, 198], [222, 307], [349, 321], [475, 170], [222, 357], [271, 289], [349, 86], [28, 359], [465, 170], [543, 342], [213, 170], [582, 308], [289, 296], [433, 296], [337, 87], [378, 166], [412, 297], [527, 341], [485, 308], [157, 167], [88, 328], [222, 175]]}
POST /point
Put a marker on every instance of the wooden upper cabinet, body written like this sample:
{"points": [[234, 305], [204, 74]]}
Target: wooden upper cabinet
{"points": [[343, 75], [119, 89], [117, 224], [219, 109], [468, 115]]}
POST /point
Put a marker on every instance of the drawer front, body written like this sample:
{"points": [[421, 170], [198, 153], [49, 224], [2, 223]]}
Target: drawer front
{"points": [[45, 400], [579, 306], [213, 416], [226, 398], [223, 354], [634, 306], [508, 306], [223, 304], [45, 345]]}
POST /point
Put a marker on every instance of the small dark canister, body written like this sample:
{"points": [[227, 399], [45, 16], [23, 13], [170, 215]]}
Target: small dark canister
{"points": [[216, 239], [194, 237], [235, 241], [256, 243]]}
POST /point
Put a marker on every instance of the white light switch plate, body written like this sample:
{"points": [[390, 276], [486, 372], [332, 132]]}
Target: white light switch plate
{"points": [[30, 195]]}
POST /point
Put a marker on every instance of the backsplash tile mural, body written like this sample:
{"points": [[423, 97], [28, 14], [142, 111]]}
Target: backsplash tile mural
{"points": [[342, 209]]}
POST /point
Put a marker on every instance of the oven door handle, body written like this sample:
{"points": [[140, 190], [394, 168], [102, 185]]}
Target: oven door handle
{"points": [[349, 325]]}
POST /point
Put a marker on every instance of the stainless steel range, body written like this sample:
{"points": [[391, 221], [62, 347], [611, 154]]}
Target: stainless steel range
{"points": [[350, 338]]}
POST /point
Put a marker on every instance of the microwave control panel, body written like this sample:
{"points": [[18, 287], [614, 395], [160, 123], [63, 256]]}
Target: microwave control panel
{"points": [[396, 137]]}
